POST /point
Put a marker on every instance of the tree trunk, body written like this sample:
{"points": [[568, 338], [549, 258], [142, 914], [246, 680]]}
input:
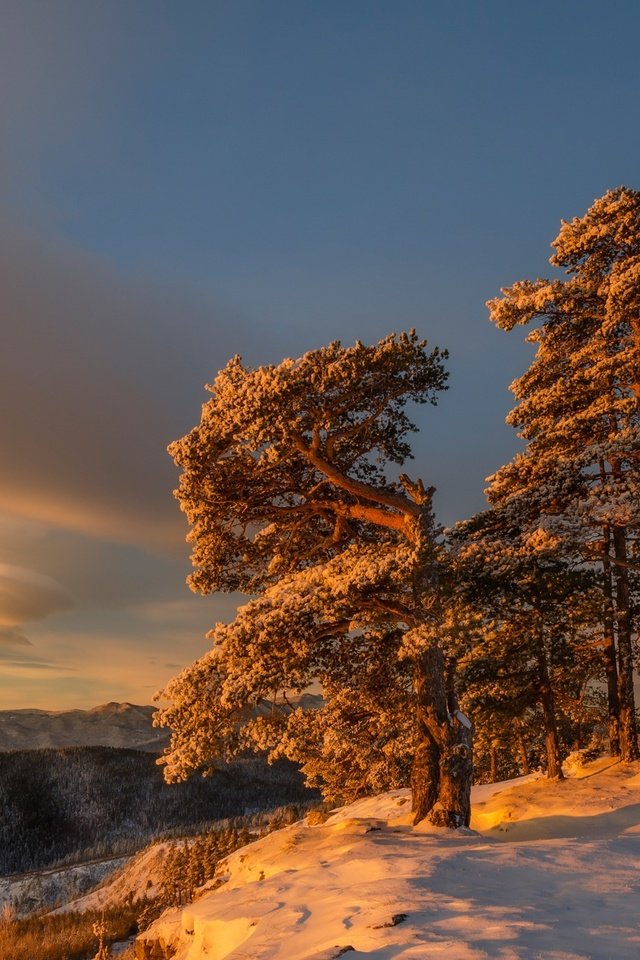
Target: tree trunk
{"points": [[552, 744], [443, 762], [628, 730], [635, 334], [609, 651], [524, 757], [493, 763]]}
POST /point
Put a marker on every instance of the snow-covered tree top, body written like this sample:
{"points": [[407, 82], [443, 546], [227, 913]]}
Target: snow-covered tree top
{"points": [[287, 462]]}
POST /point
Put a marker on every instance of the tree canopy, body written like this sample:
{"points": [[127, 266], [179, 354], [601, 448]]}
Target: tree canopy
{"points": [[293, 489]]}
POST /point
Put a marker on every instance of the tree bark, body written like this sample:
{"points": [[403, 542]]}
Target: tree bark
{"points": [[524, 757], [628, 729], [443, 763], [609, 651], [493, 763], [635, 334], [552, 744]]}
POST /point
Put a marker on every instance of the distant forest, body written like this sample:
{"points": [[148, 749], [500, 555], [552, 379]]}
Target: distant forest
{"points": [[89, 802]]}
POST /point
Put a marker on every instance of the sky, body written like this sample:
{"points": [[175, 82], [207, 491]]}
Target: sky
{"points": [[183, 181]]}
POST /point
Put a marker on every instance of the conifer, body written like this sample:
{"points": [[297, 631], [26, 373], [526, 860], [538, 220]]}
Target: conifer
{"points": [[578, 412], [287, 488]]}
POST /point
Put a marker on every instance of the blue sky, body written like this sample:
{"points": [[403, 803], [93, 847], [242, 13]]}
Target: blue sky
{"points": [[184, 181]]}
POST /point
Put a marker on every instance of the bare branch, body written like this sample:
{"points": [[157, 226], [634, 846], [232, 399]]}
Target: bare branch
{"points": [[417, 490]]}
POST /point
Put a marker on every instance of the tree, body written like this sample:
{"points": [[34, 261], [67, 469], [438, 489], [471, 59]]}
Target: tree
{"points": [[537, 612], [285, 484], [579, 414]]}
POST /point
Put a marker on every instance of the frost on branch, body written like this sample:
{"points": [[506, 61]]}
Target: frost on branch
{"points": [[296, 453], [324, 623]]}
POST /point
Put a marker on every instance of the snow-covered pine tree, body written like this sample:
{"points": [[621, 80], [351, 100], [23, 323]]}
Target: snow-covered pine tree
{"points": [[579, 414], [537, 615], [285, 486]]}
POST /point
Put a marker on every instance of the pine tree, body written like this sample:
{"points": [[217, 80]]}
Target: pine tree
{"points": [[537, 614], [285, 484], [578, 412]]}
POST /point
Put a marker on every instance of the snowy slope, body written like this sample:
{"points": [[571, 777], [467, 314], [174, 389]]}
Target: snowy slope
{"points": [[42, 889], [137, 879], [552, 874]]}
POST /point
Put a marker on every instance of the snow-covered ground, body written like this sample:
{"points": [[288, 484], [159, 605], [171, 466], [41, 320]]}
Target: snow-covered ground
{"points": [[40, 889], [137, 879], [550, 871]]}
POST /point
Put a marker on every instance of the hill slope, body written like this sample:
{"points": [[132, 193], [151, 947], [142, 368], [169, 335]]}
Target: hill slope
{"points": [[109, 725], [93, 802], [549, 872]]}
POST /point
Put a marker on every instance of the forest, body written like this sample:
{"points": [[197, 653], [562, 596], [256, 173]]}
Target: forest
{"points": [[490, 648], [83, 803]]}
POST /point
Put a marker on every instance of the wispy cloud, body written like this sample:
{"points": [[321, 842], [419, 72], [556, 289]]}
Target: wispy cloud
{"points": [[99, 374], [19, 658], [26, 596], [10, 637], [25, 667]]}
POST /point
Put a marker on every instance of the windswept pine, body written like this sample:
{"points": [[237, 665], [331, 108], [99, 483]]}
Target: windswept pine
{"points": [[288, 488]]}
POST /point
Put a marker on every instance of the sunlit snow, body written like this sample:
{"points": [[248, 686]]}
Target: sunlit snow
{"points": [[549, 870]]}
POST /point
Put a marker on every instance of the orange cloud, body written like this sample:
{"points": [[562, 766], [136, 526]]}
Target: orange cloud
{"points": [[122, 523]]}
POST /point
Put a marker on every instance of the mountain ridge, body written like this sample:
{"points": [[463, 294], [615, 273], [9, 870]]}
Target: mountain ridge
{"points": [[109, 724]]}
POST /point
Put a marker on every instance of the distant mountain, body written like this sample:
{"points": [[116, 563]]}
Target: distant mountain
{"points": [[109, 725], [308, 701]]}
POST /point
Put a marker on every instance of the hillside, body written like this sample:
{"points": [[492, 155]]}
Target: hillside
{"points": [[549, 870], [84, 803], [108, 725]]}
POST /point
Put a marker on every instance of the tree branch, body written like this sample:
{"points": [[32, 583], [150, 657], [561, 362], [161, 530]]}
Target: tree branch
{"points": [[395, 609], [348, 511], [394, 500]]}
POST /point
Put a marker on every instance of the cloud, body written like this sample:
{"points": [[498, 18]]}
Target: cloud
{"points": [[19, 659], [195, 611], [26, 667], [99, 373], [26, 596], [10, 637]]}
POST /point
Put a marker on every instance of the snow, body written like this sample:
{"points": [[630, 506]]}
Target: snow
{"points": [[463, 719], [138, 879], [38, 889], [548, 872]]}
